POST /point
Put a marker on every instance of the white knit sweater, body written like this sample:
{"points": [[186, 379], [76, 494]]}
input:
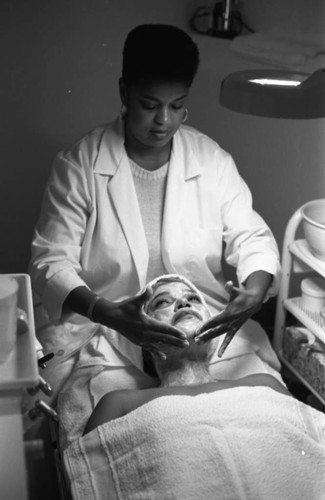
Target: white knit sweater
{"points": [[150, 188]]}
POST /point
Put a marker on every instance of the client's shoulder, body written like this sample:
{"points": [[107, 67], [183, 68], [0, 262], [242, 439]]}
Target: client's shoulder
{"points": [[126, 400], [119, 398], [112, 405], [263, 379]]}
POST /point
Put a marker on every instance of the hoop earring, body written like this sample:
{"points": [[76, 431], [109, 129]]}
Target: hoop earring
{"points": [[185, 117], [123, 111]]}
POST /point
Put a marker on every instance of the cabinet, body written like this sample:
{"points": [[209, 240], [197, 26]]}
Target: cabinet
{"points": [[18, 372], [296, 258]]}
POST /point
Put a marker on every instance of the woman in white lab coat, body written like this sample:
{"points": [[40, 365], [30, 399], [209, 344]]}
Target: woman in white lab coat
{"points": [[143, 196]]}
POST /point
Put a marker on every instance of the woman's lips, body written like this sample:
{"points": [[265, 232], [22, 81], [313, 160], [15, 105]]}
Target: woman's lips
{"points": [[159, 134]]}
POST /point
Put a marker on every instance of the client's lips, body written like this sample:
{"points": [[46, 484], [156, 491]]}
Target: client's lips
{"points": [[185, 312]]}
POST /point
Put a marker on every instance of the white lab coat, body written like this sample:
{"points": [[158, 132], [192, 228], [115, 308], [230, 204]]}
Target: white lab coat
{"points": [[90, 230]]}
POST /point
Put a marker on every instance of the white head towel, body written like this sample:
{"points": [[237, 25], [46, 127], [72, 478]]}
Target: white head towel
{"points": [[171, 278]]}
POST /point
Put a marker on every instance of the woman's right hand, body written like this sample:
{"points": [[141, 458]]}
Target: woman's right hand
{"points": [[129, 319]]}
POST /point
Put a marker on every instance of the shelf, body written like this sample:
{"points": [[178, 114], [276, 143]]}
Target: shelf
{"points": [[300, 249], [297, 257], [19, 369], [311, 320], [300, 377]]}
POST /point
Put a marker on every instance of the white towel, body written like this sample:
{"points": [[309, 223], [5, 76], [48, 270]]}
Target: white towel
{"points": [[93, 377], [241, 443], [101, 369], [277, 49]]}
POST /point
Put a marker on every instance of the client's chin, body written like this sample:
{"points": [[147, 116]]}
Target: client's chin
{"points": [[188, 322], [189, 325]]}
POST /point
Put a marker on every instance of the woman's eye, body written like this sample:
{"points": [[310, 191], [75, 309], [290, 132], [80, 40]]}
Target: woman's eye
{"points": [[148, 106], [178, 107]]}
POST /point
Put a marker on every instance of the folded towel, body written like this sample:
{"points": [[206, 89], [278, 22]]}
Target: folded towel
{"points": [[276, 49], [241, 443]]}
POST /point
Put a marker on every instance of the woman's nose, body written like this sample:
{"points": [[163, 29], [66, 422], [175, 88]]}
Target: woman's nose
{"points": [[162, 115], [182, 302]]}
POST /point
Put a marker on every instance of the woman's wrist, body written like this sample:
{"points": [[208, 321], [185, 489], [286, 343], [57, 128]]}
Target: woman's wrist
{"points": [[83, 301], [92, 304], [100, 310], [259, 283]]}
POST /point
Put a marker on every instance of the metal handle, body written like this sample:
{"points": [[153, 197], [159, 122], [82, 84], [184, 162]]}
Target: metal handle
{"points": [[43, 386], [41, 407]]}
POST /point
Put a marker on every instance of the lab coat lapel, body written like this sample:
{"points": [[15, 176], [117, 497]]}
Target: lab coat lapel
{"points": [[122, 191], [183, 166], [113, 161]]}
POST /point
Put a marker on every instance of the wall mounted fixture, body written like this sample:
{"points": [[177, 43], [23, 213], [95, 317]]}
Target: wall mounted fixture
{"points": [[221, 20], [275, 93]]}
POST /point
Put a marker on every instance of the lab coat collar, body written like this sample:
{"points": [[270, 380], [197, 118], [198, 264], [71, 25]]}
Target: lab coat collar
{"points": [[186, 163], [112, 150]]}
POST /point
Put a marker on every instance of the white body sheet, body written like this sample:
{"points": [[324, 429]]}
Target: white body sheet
{"points": [[241, 443]]}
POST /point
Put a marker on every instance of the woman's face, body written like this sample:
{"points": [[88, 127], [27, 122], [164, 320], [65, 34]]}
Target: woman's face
{"points": [[178, 305], [154, 112]]}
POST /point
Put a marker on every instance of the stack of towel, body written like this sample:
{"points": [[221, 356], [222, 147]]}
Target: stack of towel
{"points": [[279, 50]]}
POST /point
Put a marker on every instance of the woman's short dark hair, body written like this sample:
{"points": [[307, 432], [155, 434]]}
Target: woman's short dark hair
{"points": [[159, 52]]}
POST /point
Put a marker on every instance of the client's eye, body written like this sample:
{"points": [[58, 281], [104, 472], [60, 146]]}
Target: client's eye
{"points": [[194, 298], [161, 302]]}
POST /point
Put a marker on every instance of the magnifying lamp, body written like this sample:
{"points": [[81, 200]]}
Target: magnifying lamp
{"points": [[275, 93]]}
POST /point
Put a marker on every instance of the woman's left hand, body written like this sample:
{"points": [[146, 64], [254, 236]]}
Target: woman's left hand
{"points": [[243, 303]]}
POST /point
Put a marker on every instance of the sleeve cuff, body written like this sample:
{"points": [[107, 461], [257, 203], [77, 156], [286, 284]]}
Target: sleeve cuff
{"points": [[272, 266], [57, 290]]}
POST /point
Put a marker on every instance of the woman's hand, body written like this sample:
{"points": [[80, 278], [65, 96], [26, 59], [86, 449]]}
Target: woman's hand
{"points": [[243, 303], [129, 319]]}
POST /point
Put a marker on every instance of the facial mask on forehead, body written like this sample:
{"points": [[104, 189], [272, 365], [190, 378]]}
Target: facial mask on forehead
{"points": [[171, 278]]}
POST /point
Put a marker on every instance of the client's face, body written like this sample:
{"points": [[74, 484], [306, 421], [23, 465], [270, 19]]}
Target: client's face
{"points": [[178, 305]]}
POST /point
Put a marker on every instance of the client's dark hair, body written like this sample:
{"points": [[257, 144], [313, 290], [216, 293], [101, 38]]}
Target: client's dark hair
{"points": [[159, 52]]}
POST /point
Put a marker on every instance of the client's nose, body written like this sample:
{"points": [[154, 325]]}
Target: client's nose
{"points": [[182, 302]]}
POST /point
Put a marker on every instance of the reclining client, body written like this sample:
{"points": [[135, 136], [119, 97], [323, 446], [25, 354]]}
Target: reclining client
{"points": [[176, 301], [194, 437]]}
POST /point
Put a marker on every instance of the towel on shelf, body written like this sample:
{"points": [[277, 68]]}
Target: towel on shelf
{"points": [[277, 49], [244, 442]]}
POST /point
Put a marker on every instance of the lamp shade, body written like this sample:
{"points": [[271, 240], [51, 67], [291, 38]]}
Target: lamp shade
{"points": [[275, 93]]}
